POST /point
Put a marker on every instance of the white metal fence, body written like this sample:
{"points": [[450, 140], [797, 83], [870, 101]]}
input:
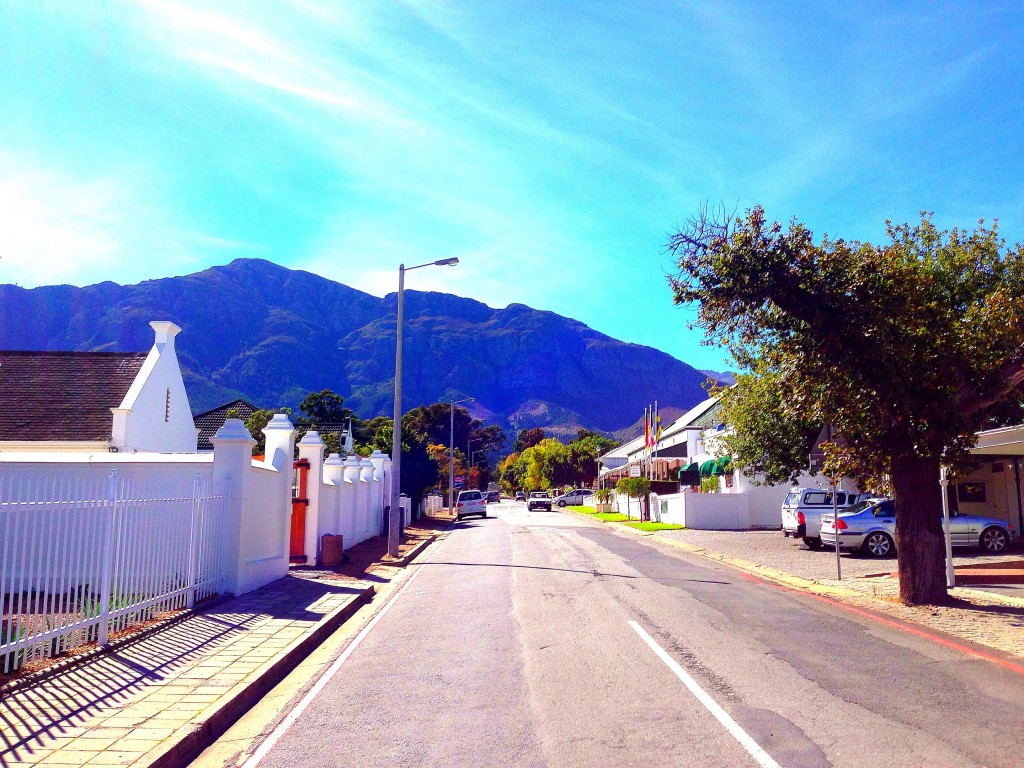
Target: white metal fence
{"points": [[84, 559]]}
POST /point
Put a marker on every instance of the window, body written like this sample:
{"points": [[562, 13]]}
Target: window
{"points": [[813, 498], [886, 509]]}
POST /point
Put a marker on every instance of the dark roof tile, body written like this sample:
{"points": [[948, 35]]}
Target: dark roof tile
{"points": [[210, 421], [63, 395]]}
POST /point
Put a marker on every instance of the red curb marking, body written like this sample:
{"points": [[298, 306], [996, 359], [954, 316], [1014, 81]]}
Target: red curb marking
{"points": [[924, 634]]}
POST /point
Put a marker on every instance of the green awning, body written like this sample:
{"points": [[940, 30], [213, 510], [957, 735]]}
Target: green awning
{"points": [[707, 469], [722, 465], [693, 466]]}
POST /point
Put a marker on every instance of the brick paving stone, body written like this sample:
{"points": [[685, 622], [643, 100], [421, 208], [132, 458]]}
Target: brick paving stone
{"points": [[120, 706]]}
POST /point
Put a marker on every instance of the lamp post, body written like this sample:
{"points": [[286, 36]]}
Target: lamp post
{"points": [[451, 456], [469, 455], [394, 516]]}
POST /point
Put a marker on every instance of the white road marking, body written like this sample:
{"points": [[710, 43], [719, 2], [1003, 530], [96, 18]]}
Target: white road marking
{"points": [[264, 749], [763, 758]]}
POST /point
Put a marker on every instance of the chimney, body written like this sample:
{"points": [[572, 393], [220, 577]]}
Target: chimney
{"points": [[165, 332]]}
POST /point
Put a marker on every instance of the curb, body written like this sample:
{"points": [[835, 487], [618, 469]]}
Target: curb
{"points": [[412, 554], [191, 739]]}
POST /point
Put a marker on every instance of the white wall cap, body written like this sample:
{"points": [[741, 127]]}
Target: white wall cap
{"points": [[312, 438], [377, 454], [366, 463], [279, 422], [352, 461], [165, 332], [333, 460], [233, 429]]}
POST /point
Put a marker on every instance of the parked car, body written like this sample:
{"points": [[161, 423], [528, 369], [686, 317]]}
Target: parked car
{"points": [[871, 528], [571, 498], [470, 503], [539, 500], [803, 508], [520, 496], [493, 497]]}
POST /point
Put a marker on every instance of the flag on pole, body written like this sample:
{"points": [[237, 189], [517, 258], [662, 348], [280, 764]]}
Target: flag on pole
{"points": [[657, 423], [647, 430]]}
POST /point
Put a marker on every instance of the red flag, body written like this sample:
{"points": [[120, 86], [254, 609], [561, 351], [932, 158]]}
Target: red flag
{"points": [[647, 429]]}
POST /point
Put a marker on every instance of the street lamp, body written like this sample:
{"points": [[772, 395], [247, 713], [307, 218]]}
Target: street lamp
{"points": [[451, 456], [394, 517], [469, 453]]}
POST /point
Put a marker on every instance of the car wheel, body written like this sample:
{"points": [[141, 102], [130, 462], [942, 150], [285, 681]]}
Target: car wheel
{"points": [[878, 544], [993, 539], [812, 543], [561, 503], [484, 515], [458, 518]]}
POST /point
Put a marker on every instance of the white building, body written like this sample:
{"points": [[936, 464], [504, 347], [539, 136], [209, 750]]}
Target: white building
{"points": [[693, 441], [96, 401]]}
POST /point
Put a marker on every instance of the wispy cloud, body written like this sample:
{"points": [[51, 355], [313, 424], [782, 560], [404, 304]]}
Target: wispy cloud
{"points": [[56, 227]]}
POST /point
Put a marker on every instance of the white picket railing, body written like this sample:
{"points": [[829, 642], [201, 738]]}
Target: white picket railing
{"points": [[82, 560]]}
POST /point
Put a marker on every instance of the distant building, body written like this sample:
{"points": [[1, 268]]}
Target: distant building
{"points": [[208, 422], [96, 401]]}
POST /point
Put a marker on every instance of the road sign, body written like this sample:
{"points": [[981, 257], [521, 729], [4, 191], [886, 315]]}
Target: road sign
{"points": [[459, 481]]}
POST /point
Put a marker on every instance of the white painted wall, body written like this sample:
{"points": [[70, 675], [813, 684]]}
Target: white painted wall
{"points": [[155, 414], [707, 511], [346, 496], [256, 505]]}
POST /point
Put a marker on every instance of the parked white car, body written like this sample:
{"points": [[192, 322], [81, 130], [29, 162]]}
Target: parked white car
{"points": [[470, 503], [803, 508]]}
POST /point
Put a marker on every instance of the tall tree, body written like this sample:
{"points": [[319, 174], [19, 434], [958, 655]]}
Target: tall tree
{"points": [[323, 407], [907, 348], [527, 438]]}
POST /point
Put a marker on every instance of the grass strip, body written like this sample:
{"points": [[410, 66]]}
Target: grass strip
{"points": [[647, 526], [611, 517], [584, 510]]}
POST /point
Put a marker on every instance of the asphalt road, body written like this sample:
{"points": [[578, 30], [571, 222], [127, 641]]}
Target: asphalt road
{"points": [[541, 639]]}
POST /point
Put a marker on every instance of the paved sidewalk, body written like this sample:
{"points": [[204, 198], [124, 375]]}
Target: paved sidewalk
{"points": [[156, 699]]}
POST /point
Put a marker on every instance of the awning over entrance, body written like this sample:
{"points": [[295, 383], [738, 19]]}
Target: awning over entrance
{"points": [[1006, 441], [707, 469]]}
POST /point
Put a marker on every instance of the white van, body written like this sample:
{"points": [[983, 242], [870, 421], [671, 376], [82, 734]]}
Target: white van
{"points": [[803, 508]]}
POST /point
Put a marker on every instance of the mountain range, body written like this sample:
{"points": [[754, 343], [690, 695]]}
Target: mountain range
{"points": [[269, 334]]}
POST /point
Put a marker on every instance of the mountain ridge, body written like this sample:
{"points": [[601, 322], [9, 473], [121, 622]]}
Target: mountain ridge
{"points": [[271, 334]]}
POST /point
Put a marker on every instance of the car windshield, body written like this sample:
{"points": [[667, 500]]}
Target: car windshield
{"points": [[539, 495]]}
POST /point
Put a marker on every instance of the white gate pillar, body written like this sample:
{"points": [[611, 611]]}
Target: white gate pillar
{"points": [[311, 448]]}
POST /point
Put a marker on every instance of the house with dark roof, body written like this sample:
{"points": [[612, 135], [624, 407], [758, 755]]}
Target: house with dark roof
{"points": [[96, 401], [208, 422]]}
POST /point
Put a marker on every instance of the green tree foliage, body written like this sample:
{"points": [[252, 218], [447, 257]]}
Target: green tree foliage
{"points": [[769, 444], [635, 488], [907, 348], [324, 407], [527, 438], [550, 464], [256, 423]]}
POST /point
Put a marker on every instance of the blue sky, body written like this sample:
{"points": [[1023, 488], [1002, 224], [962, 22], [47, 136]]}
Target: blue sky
{"points": [[551, 146]]}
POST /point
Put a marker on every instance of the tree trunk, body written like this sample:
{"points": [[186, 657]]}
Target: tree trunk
{"points": [[919, 542]]}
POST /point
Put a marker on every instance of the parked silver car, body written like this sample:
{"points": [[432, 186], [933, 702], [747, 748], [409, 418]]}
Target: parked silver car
{"points": [[870, 526], [573, 498]]}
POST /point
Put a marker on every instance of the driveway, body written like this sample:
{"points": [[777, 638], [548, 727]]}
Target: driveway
{"points": [[772, 549]]}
